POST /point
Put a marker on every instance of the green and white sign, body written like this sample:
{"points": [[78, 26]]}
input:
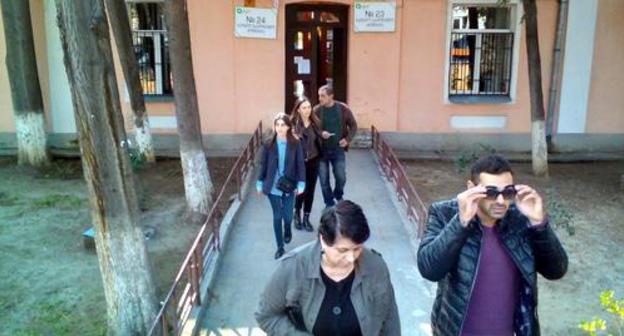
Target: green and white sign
{"points": [[255, 22], [374, 16]]}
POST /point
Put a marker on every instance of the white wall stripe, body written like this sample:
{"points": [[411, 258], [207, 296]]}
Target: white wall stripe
{"points": [[577, 66], [163, 122], [480, 122]]}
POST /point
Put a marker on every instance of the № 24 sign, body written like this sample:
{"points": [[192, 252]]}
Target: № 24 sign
{"points": [[374, 16], [255, 22]]}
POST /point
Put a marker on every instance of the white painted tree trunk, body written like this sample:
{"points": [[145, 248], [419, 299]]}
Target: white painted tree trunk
{"points": [[21, 66], [143, 137], [197, 184], [128, 286], [31, 138], [539, 149], [120, 25]]}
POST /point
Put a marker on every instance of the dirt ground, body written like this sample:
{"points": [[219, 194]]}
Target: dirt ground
{"points": [[49, 282], [587, 193]]}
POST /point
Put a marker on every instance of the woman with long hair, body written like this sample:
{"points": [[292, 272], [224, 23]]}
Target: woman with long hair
{"points": [[282, 175], [306, 128]]}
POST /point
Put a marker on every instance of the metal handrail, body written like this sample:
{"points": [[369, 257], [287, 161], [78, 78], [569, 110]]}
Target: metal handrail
{"points": [[185, 290], [394, 171]]}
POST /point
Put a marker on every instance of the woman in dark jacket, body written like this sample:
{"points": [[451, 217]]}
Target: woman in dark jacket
{"points": [[331, 286], [282, 174], [306, 128]]}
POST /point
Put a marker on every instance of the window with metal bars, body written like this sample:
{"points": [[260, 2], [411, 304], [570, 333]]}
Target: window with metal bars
{"points": [[480, 51], [151, 47]]}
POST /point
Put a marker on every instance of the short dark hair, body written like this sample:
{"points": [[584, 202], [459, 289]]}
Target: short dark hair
{"points": [[347, 219], [328, 89], [491, 164]]}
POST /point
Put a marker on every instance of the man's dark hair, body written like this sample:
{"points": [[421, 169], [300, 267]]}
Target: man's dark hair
{"points": [[347, 219], [328, 89], [492, 164]]}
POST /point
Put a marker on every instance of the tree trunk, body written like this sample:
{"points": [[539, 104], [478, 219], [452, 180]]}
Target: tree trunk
{"points": [[538, 149], [128, 286], [197, 182], [120, 25], [21, 64]]}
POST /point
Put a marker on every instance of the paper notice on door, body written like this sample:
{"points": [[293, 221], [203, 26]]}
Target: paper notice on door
{"points": [[303, 66]]}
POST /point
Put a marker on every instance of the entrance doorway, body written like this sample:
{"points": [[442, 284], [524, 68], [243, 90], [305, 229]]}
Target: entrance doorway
{"points": [[316, 51]]}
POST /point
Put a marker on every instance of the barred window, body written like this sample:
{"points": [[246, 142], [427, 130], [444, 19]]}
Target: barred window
{"points": [[151, 47], [480, 50]]}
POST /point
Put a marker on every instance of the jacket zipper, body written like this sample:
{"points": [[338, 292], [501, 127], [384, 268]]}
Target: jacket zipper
{"points": [[522, 275], [474, 280]]}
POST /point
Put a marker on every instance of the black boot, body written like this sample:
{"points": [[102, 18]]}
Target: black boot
{"points": [[306, 223], [279, 253], [287, 234], [297, 219]]}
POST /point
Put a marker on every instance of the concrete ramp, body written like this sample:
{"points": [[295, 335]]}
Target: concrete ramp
{"points": [[248, 256]]}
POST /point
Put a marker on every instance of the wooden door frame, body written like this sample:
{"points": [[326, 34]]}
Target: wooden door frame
{"points": [[291, 23]]}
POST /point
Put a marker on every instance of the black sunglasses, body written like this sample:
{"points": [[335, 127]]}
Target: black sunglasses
{"points": [[509, 192]]}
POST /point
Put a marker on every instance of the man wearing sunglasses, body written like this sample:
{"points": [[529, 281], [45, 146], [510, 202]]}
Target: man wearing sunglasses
{"points": [[484, 249]]}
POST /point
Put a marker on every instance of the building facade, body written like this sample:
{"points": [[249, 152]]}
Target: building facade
{"points": [[433, 74]]}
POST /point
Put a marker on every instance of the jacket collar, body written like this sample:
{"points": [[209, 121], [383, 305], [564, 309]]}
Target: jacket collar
{"points": [[363, 266]]}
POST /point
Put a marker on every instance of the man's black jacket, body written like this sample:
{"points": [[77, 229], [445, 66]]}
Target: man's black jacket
{"points": [[449, 253]]}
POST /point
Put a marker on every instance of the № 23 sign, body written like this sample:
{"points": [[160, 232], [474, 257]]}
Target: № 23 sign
{"points": [[374, 16], [255, 22]]}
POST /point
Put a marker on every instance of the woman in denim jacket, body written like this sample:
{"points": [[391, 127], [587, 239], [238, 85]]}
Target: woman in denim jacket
{"points": [[282, 158]]}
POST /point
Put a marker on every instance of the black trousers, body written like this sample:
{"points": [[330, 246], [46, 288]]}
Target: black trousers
{"points": [[307, 198]]}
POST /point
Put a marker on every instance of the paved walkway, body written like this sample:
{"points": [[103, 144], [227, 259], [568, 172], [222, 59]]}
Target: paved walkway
{"points": [[248, 257]]}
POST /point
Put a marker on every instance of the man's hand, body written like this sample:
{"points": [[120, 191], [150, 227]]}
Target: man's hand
{"points": [[468, 203], [530, 203], [343, 143], [326, 135]]}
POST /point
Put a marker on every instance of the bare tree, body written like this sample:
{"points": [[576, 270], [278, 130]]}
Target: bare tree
{"points": [[197, 182], [539, 150], [21, 64], [128, 285], [120, 25]]}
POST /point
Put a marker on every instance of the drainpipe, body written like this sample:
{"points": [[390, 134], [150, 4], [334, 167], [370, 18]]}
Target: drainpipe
{"points": [[556, 70]]}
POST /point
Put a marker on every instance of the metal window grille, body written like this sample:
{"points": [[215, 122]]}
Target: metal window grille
{"points": [[480, 63], [151, 48]]}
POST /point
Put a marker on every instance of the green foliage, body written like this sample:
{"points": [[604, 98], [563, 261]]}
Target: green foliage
{"points": [[614, 308], [57, 201], [560, 216], [137, 159], [464, 159]]}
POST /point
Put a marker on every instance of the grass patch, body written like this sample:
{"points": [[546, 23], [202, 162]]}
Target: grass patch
{"points": [[561, 216], [61, 170], [60, 318], [60, 201], [7, 199]]}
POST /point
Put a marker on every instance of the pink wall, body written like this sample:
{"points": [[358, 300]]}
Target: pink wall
{"points": [[422, 107], [395, 80], [605, 112]]}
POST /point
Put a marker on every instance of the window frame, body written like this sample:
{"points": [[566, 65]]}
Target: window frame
{"points": [[158, 41], [516, 13]]}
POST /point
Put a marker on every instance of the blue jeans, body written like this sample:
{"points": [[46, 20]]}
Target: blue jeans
{"points": [[282, 211], [337, 160]]}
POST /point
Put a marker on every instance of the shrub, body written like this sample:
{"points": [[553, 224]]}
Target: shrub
{"points": [[614, 310]]}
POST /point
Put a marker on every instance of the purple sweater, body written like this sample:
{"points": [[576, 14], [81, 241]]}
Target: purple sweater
{"points": [[495, 294]]}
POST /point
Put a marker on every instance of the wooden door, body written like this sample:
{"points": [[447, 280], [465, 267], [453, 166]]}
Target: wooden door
{"points": [[316, 51]]}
